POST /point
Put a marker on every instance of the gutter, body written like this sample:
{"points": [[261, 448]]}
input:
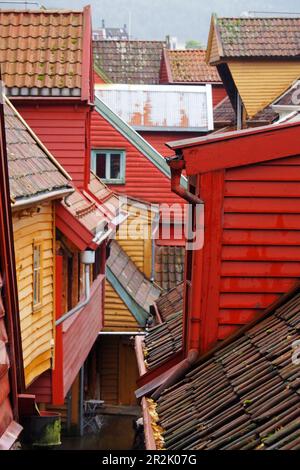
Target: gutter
{"points": [[26, 202], [148, 432], [176, 165]]}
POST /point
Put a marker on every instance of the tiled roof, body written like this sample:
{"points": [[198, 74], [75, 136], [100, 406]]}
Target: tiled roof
{"points": [[110, 202], [224, 114], [131, 278], [41, 52], [259, 37], [163, 340], [170, 302], [189, 66], [86, 211], [291, 97], [169, 266], [31, 170], [246, 396], [136, 62]]}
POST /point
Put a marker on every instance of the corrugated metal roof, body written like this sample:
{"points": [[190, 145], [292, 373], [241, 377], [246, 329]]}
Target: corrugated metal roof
{"points": [[160, 107], [41, 52], [31, 170]]}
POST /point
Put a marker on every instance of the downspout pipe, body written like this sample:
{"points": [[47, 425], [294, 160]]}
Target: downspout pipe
{"points": [[181, 368], [87, 258], [176, 165]]}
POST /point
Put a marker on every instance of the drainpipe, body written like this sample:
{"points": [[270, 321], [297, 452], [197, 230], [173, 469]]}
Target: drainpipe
{"points": [[81, 410], [87, 258], [176, 165], [179, 371]]}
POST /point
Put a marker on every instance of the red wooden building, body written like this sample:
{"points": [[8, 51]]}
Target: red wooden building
{"points": [[247, 181], [11, 361], [53, 90], [189, 67]]}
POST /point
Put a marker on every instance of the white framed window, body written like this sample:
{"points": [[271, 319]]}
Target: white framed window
{"points": [[109, 165]]}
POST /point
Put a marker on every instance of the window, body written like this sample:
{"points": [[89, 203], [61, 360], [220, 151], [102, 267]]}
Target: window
{"points": [[109, 165], [37, 275]]}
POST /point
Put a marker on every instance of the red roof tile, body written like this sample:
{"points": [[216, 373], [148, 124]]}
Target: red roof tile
{"points": [[189, 66], [42, 50], [170, 302], [259, 37]]}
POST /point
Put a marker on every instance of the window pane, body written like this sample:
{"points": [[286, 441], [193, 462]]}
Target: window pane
{"points": [[100, 165], [36, 257], [115, 166]]}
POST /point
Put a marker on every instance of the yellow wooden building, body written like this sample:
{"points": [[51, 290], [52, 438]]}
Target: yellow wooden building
{"points": [[36, 181], [255, 57], [129, 293]]}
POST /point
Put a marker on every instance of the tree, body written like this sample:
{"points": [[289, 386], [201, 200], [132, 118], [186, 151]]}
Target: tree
{"points": [[193, 44]]}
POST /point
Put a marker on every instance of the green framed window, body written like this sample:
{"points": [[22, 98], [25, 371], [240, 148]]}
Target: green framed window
{"points": [[109, 165]]}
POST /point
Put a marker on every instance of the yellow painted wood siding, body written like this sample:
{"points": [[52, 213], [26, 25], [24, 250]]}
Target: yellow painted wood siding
{"points": [[139, 250], [117, 317], [259, 83], [36, 325]]}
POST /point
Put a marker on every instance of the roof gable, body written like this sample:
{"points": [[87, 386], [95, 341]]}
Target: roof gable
{"points": [[134, 138], [238, 148], [46, 52]]}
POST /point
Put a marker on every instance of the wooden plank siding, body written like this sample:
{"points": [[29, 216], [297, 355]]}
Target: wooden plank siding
{"points": [[139, 249], [158, 140], [62, 129], [143, 179], [36, 326], [260, 258], [259, 83], [117, 316]]}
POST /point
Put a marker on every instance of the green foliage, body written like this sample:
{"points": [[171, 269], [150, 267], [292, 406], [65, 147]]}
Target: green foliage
{"points": [[193, 44]]}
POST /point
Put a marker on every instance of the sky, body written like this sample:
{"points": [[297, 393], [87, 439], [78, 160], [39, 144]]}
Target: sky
{"points": [[184, 19]]}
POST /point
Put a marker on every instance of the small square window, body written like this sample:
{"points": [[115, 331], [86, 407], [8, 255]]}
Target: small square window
{"points": [[109, 165]]}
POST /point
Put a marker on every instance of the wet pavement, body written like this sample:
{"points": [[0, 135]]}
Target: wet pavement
{"points": [[116, 433]]}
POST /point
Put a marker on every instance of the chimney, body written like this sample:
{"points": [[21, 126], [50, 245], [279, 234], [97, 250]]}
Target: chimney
{"points": [[103, 24]]}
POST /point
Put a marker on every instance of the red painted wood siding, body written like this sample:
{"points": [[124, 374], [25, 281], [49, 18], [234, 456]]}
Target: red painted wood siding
{"points": [[260, 242], [80, 333], [143, 179], [158, 140], [42, 388], [97, 78], [63, 129], [163, 73], [218, 94]]}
